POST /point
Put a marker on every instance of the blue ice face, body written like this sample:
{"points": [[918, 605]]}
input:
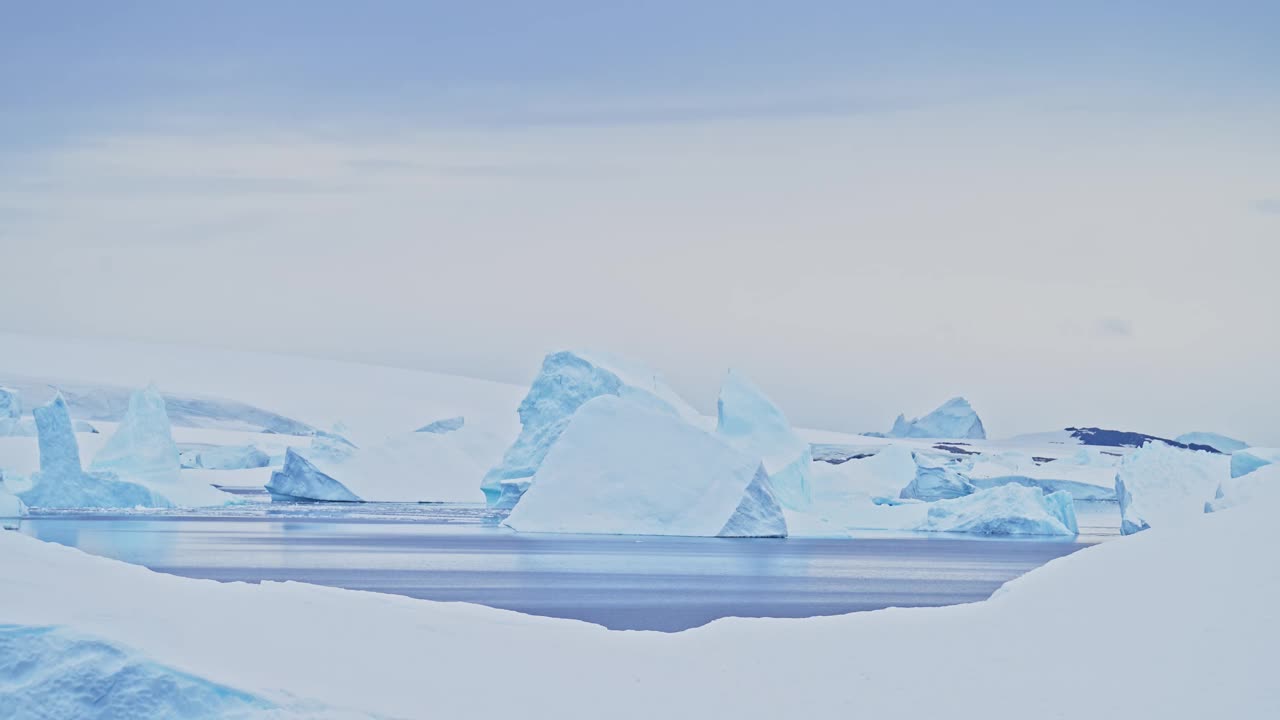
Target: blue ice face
{"points": [[956, 419]]}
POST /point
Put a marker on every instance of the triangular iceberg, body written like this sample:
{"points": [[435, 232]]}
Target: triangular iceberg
{"points": [[565, 382], [623, 467], [955, 419]]}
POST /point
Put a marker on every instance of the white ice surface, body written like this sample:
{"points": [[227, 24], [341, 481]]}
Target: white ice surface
{"points": [[1174, 623]]}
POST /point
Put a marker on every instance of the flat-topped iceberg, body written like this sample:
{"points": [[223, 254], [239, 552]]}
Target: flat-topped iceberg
{"points": [[1221, 443], [748, 420], [1087, 476], [626, 467], [62, 483], [1246, 461], [411, 467], [1161, 485], [224, 457], [955, 419], [565, 382], [1005, 510]]}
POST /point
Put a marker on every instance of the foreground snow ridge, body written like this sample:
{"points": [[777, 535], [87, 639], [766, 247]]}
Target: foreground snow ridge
{"points": [[622, 467], [1198, 600], [566, 381]]}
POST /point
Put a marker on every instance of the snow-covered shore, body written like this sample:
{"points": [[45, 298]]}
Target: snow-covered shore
{"points": [[1170, 623]]}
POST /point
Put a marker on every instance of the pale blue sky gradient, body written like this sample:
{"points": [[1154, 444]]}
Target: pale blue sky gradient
{"points": [[1064, 211]]}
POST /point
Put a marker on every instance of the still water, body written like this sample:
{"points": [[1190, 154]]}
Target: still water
{"points": [[460, 553]]}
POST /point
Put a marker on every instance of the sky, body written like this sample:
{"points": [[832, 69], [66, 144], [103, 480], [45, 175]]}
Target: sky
{"points": [[1067, 212]]}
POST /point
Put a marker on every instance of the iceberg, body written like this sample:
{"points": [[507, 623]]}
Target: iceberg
{"points": [[1005, 510], [1261, 485], [882, 475], [936, 479], [12, 509], [443, 426], [142, 451], [565, 382], [955, 419], [413, 467], [1160, 484], [748, 420], [1246, 461], [1087, 476], [1221, 443], [12, 424], [61, 483], [299, 479], [623, 466], [224, 457], [142, 448]]}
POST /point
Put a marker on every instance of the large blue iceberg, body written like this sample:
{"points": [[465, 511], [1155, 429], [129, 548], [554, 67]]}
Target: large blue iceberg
{"points": [[62, 483], [956, 419], [623, 467], [749, 421], [1005, 510], [565, 382]]}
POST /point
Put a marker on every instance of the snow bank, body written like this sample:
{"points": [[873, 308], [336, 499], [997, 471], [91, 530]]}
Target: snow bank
{"points": [[1212, 586], [565, 382], [955, 419], [1221, 443], [629, 468], [1246, 461], [61, 483], [748, 420], [1005, 510], [1162, 485]]}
